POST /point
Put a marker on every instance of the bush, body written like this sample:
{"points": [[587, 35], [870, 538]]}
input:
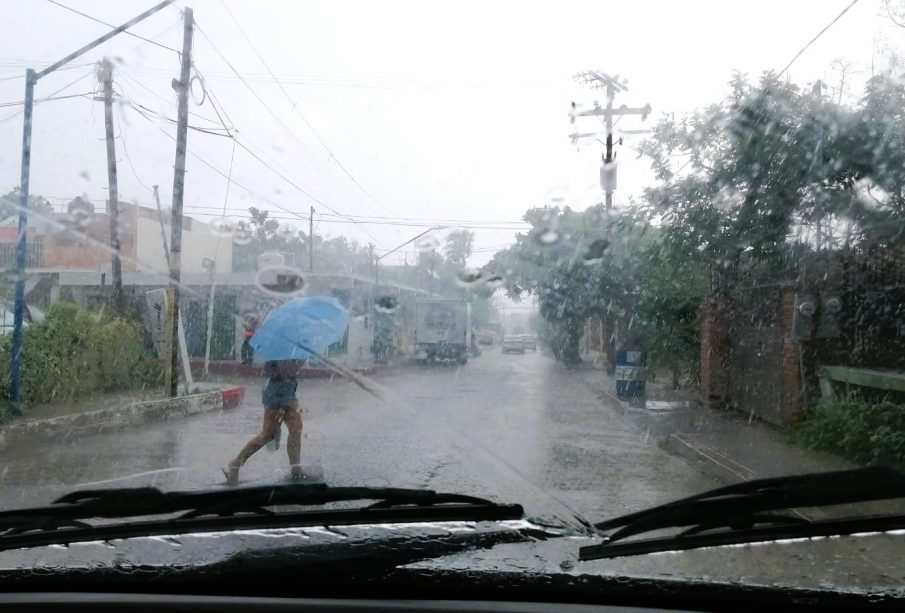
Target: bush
{"points": [[869, 433], [73, 353]]}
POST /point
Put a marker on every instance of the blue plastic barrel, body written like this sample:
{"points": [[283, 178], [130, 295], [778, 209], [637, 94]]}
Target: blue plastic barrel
{"points": [[631, 373]]}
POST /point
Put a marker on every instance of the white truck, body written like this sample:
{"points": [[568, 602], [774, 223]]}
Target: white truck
{"points": [[442, 330]]}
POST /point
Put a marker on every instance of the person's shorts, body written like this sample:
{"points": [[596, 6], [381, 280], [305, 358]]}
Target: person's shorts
{"points": [[292, 405]]}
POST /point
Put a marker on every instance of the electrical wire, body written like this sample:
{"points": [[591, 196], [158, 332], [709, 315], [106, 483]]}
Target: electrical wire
{"points": [[302, 116], [263, 103], [62, 89], [813, 40], [249, 190], [48, 99], [110, 25]]}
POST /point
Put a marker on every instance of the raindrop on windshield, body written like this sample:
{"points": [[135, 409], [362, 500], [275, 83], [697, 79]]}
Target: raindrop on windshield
{"points": [[223, 226], [242, 235], [280, 281], [469, 277], [493, 281], [548, 237], [386, 304], [427, 245], [558, 195], [593, 253]]}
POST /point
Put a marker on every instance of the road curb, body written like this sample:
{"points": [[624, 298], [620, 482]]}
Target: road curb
{"points": [[66, 427], [237, 369], [709, 460]]}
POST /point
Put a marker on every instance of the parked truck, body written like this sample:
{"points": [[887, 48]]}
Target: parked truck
{"points": [[442, 330]]}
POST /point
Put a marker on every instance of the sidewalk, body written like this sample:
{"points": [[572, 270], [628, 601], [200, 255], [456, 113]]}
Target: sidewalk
{"points": [[725, 445], [105, 412]]}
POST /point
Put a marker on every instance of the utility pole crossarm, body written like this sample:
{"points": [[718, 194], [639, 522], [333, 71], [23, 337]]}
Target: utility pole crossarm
{"points": [[598, 111]]}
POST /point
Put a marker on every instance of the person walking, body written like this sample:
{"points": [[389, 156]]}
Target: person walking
{"points": [[280, 407]]}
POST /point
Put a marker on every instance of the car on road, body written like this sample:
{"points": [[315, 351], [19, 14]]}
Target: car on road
{"points": [[513, 344]]}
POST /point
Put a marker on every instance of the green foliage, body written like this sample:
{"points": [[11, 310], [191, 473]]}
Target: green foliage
{"points": [[578, 264], [331, 255], [869, 433], [73, 354]]}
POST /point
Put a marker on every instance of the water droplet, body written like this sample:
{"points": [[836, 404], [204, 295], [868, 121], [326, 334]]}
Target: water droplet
{"points": [[223, 226], [493, 281], [386, 304], [593, 253], [469, 277], [241, 236], [280, 281], [548, 237], [85, 175], [558, 195], [427, 245]]}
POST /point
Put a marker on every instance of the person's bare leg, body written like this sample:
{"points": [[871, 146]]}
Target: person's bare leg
{"points": [[292, 417], [268, 431]]}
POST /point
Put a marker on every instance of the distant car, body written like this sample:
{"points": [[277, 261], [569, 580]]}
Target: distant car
{"points": [[529, 341], [513, 344]]}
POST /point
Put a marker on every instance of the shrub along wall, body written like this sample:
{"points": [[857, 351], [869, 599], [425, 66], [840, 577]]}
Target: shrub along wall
{"points": [[73, 353], [864, 431]]}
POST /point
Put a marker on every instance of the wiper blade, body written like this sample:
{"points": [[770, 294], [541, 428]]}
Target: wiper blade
{"points": [[68, 518], [744, 513]]}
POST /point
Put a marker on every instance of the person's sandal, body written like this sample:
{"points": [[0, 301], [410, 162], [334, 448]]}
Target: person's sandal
{"points": [[232, 474]]}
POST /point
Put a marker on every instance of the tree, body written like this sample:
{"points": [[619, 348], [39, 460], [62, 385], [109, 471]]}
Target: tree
{"points": [[577, 264], [336, 255], [458, 247]]}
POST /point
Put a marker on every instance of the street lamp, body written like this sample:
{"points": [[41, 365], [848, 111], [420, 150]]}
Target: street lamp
{"points": [[377, 285]]}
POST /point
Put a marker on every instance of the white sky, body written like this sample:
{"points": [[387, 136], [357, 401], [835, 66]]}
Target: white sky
{"points": [[441, 110]]}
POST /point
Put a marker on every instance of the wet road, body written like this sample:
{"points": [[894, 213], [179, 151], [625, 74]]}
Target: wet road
{"points": [[512, 427]]}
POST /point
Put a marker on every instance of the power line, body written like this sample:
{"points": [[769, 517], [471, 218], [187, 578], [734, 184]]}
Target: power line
{"points": [[65, 87], [110, 25], [249, 190], [263, 103], [300, 114], [819, 34], [421, 219], [48, 99]]}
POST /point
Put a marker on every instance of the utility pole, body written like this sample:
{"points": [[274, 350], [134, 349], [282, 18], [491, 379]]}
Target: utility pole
{"points": [[311, 241], [612, 85], [105, 74], [31, 79], [182, 128]]}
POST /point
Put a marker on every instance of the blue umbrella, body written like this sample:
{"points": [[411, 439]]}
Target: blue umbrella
{"points": [[300, 325]]}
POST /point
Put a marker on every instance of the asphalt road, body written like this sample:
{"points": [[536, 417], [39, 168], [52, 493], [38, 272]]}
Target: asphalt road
{"points": [[516, 428]]}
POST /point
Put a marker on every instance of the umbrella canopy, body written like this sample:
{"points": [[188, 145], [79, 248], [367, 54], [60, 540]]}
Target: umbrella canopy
{"points": [[295, 329]]}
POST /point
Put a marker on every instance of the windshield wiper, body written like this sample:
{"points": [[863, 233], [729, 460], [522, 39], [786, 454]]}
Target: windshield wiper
{"points": [[745, 513], [154, 512]]}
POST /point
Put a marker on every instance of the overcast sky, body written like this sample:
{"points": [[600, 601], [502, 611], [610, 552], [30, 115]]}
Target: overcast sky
{"points": [[438, 110]]}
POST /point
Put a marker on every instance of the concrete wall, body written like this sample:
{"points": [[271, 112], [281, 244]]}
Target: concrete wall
{"points": [[198, 242]]}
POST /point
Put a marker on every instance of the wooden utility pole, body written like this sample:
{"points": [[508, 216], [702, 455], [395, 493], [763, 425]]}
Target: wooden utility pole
{"points": [[311, 241], [182, 127], [105, 74]]}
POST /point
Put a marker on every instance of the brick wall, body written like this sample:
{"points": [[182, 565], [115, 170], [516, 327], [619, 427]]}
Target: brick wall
{"points": [[714, 353], [791, 373]]}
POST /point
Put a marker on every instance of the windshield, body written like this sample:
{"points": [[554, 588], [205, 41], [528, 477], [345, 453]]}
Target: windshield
{"points": [[587, 257]]}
